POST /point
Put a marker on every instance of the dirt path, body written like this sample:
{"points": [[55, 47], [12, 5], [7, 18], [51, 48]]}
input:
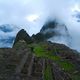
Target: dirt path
{"points": [[30, 66], [21, 65]]}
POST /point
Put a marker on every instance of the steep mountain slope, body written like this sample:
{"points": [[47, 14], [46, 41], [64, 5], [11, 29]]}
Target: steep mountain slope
{"points": [[56, 32], [52, 31], [22, 35], [39, 37], [41, 61]]}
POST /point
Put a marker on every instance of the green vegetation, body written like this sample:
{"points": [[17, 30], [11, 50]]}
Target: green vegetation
{"points": [[48, 73], [18, 45], [41, 50], [66, 66], [76, 77]]}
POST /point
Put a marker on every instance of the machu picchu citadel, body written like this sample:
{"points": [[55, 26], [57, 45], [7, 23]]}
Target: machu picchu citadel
{"points": [[36, 58], [43, 61]]}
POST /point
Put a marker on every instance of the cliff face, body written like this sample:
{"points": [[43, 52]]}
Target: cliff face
{"points": [[52, 31], [38, 37], [56, 32], [48, 29], [22, 35]]}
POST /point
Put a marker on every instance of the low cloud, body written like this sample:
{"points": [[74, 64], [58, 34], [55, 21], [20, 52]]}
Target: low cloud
{"points": [[15, 12]]}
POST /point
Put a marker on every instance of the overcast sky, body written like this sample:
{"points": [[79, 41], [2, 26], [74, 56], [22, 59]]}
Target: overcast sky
{"points": [[32, 14], [19, 11]]}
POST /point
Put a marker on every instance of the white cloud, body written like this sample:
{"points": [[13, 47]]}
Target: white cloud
{"points": [[14, 11], [32, 18]]}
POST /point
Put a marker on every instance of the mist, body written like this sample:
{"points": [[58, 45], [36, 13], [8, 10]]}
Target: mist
{"points": [[18, 12]]}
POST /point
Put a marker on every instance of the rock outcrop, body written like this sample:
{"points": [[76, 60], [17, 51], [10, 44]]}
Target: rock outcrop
{"points": [[56, 32], [22, 35]]}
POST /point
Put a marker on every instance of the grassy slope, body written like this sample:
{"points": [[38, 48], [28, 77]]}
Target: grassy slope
{"points": [[41, 50], [48, 73]]}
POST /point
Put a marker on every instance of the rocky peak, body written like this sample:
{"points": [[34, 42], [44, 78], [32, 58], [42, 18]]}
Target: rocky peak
{"points": [[55, 31], [22, 35]]}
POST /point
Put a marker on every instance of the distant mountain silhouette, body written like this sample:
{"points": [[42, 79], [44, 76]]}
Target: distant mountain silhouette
{"points": [[47, 29], [22, 35], [39, 37], [56, 31], [53, 28]]}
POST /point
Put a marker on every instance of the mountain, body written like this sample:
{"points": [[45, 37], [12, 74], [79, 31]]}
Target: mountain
{"points": [[22, 35], [35, 58], [39, 61], [39, 37], [51, 31], [56, 32]]}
